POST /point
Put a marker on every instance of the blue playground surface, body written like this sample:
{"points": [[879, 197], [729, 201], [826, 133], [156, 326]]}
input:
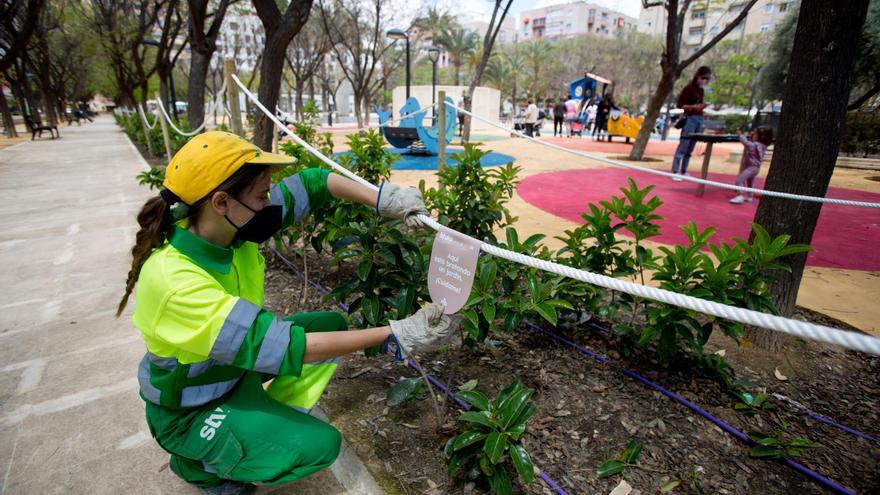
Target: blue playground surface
{"points": [[429, 162]]}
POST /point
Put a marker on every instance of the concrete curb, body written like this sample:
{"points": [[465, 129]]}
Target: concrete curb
{"points": [[348, 469]]}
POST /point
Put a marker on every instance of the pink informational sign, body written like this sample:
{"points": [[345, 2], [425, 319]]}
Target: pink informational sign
{"points": [[452, 269]]}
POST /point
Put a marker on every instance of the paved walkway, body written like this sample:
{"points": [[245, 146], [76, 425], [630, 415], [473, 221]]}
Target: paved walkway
{"points": [[70, 418]]}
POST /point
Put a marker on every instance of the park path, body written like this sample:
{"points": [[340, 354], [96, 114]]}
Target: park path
{"points": [[71, 420]]}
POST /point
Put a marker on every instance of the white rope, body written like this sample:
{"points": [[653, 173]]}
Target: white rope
{"points": [[820, 333], [174, 127], [722, 185], [144, 118]]}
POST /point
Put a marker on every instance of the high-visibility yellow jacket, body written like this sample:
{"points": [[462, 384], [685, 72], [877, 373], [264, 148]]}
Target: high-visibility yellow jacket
{"points": [[198, 307]]}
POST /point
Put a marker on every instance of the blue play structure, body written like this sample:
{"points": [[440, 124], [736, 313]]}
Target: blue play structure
{"points": [[411, 135]]}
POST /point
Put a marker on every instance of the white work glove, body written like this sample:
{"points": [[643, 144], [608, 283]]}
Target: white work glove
{"points": [[404, 204], [424, 331]]}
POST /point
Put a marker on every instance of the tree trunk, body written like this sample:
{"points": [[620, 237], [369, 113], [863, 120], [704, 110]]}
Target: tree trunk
{"points": [[195, 92], [820, 77], [8, 121], [664, 87], [457, 72], [358, 100], [270, 88], [299, 97], [367, 101]]}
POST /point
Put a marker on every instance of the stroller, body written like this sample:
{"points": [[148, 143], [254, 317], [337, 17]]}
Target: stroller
{"points": [[576, 128]]}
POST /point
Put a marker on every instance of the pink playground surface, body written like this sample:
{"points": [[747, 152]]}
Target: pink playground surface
{"points": [[846, 237], [657, 148]]}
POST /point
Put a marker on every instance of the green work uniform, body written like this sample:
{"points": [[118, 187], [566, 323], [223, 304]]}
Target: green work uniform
{"points": [[210, 346]]}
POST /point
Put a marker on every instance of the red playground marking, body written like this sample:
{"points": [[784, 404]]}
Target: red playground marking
{"points": [[846, 237]]}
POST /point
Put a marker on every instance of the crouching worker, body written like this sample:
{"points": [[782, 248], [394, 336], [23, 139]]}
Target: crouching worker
{"points": [[210, 344]]}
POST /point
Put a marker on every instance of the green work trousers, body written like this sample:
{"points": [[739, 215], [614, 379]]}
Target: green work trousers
{"points": [[248, 435]]}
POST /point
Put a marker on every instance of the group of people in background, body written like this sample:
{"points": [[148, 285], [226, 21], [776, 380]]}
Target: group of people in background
{"points": [[570, 117]]}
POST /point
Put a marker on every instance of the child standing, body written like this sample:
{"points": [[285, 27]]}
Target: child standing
{"points": [[755, 145]]}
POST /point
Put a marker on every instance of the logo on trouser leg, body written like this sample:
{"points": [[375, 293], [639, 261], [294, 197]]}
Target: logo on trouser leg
{"points": [[212, 422]]}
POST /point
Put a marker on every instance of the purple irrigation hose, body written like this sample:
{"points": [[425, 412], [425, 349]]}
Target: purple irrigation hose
{"points": [[827, 483], [437, 383], [809, 413]]}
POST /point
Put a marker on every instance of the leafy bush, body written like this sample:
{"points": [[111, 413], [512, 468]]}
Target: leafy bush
{"points": [[492, 429], [152, 178], [861, 134], [471, 199], [510, 292], [736, 122]]}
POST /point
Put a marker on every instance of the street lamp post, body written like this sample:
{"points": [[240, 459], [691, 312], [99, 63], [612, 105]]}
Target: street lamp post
{"points": [[433, 54], [400, 34]]}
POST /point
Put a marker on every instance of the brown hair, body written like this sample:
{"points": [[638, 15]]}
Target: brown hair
{"points": [[764, 135], [704, 70], [156, 223]]}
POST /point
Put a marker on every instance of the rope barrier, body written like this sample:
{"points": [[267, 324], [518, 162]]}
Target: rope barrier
{"points": [[209, 110], [144, 118], [697, 180], [822, 480], [820, 333]]}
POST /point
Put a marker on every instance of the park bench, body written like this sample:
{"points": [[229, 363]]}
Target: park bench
{"points": [[37, 126]]}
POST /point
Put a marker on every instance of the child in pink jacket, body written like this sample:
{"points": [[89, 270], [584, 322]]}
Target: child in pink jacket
{"points": [[754, 147]]}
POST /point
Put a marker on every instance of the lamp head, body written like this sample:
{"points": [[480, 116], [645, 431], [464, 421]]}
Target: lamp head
{"points": [[396, 34]]}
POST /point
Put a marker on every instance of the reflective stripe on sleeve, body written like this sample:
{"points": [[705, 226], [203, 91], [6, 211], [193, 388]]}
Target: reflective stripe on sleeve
{"points": [[198, 395], [149, 392], [233, 331], [300, 197], [273, 348]]}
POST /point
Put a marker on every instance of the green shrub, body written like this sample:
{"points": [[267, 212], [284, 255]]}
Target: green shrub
{"points": [[861, 134], [492, 429], [471, 199], [736, 122]]}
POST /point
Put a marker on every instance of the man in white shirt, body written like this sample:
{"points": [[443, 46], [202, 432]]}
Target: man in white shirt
{"points": [[531, 117]]}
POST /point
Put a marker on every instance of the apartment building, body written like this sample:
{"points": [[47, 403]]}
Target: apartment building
{"points": [[572, 19], [707, 18]]}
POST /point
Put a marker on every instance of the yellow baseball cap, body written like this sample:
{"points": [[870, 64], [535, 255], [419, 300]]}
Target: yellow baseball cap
{"points": [[210, 158]]}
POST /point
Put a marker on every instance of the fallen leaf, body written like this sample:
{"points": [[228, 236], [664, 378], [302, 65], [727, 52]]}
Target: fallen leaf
{"points": [[623, 488], [563, 413], [721, 352], [779, 376], [600, 389]]}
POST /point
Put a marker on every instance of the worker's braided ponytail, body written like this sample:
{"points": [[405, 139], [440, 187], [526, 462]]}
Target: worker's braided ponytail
{"points": [[156, 225]]}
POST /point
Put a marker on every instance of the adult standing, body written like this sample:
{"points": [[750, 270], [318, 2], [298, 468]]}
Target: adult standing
{"points": [[602, 112], [531, 118], [691, 101], [558, 116]]}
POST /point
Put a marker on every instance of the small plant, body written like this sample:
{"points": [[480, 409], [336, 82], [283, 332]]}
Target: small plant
{"points": [[472, 199], [405, 390], [491, 430], [625, 459], [752, 404], [778, 447], [152, 178]]}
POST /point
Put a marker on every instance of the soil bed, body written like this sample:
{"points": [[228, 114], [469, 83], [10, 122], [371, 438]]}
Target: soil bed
{"points": [[588, 411]]}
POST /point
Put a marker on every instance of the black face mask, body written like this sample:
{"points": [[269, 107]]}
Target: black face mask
{"points": [[263, 225]]}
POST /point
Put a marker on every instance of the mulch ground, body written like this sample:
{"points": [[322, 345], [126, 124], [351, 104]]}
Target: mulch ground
{"points": [[588, 411]]}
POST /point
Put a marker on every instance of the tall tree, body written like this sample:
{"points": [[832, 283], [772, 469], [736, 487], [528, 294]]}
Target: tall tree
{"points": [[537, 53], [820, 77], [458, 43], [172, 24], [357, 39], [867, 73], [122, 28], [17, 23], [305, 55], [499, 13], [671, 65], [204, 44], [280, 30]]}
